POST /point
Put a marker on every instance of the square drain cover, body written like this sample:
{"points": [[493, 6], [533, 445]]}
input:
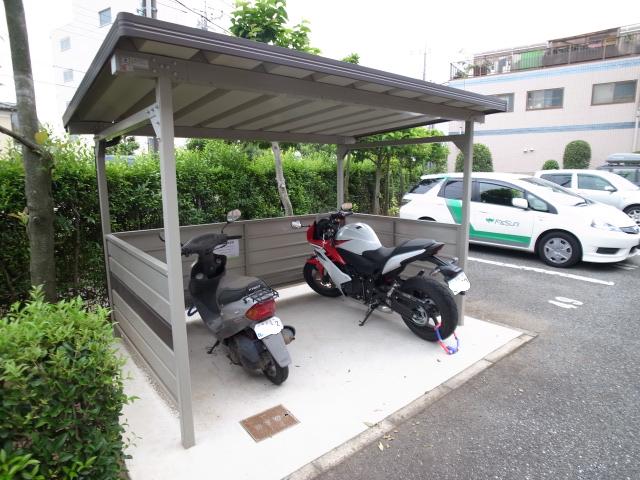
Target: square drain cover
{"points": [[268, 423]]}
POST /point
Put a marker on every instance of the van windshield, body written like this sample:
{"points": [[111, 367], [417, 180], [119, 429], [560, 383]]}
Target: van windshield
{"points": [[555, 189]]}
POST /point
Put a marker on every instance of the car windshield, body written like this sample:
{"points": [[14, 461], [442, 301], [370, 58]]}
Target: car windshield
{"points": [[559, 193]]}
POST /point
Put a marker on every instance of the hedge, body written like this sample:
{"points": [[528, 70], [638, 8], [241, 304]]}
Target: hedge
{"points": [[482, 160], [550, 165], [62, 393], [212, 180], [577, 154]]}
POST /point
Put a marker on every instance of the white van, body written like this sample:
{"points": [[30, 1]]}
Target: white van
{"points": [[527, 213], [600, 186]]}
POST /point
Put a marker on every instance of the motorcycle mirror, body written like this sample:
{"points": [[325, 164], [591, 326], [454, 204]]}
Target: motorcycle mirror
{"points": [[296, 224], [347, 206], [233, 215]]}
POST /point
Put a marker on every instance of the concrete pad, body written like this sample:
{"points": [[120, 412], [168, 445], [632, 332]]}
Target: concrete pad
{"points": [[343, 379]]}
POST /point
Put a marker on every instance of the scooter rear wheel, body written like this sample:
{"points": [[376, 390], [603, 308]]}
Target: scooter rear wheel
{"points": [[275, 373], [321, 284]]}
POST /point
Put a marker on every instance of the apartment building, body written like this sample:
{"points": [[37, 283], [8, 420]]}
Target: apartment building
{"points": [[583, 87], [76, 43]]}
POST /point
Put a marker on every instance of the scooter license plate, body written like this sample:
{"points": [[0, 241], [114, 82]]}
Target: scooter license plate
{"points": [[270, 326], [459, 283]]}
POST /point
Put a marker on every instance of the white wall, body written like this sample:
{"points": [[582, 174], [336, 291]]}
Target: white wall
{"points": [[577, 80]]}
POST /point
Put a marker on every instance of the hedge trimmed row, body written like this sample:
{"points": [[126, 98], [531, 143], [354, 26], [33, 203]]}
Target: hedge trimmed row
{"points": [[211, 181], [62, 393]]}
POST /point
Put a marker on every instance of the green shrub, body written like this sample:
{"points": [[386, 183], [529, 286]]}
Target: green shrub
{"points": [[62, 393], [577, 154], [550, 165], [482, 161]]}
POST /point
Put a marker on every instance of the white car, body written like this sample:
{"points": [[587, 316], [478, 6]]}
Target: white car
{"points": [[600, 186], [527, 213]]}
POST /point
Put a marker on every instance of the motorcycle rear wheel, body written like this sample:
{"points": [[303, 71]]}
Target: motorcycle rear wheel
{"points": [[274, 372], [321, 284], [439, 306]]}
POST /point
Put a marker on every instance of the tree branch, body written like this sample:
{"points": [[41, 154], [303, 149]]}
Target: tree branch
{"points": [[34, 147]]}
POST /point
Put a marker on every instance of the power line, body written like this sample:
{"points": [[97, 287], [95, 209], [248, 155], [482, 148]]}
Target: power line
{"points": [[204, 17]]}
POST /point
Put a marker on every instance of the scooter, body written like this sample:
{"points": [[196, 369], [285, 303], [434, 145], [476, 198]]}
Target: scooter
{"points": [[238, 310], [349, 260]]}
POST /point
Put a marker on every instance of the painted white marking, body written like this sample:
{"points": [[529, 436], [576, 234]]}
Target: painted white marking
{"points": [[563, 305], [625, 266], [542, 270], [569, 300]]}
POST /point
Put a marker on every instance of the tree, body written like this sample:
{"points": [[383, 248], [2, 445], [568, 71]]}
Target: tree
{"points": [[381, 157], [482, 161], [577, 154], [550, 165], [38, 163], [352, 58], [265, 21], [126, 146]]}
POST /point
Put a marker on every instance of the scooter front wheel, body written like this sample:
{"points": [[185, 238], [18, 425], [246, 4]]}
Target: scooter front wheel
{"points": [[320, 283], [274, 372]]}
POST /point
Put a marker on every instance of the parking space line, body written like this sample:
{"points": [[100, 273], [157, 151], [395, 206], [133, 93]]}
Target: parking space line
{"points": [[542, 270]]}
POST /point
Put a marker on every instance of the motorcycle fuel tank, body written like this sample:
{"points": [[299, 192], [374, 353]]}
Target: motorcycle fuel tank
{"points": [[358, 238]]}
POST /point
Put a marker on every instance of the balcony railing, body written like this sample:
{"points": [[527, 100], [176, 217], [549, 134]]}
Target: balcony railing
{"points": [[493, 64]]}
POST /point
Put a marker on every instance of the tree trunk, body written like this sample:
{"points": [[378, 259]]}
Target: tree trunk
{"points": [[401, 191], [376, 189], [387, 189], [37, 168], [282, 186], [347, 167]]}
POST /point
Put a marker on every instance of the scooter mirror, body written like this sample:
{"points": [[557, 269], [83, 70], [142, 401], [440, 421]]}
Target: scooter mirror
{"points": [[347, 206], [296, 224], [233, 215]]}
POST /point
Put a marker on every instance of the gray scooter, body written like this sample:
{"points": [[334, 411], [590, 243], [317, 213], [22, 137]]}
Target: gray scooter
{"points": [[238, 310]]}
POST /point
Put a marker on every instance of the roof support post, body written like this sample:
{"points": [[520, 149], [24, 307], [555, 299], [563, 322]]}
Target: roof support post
{"points": [[103, 199], [163, 124], [466, 145], [341, 153]]}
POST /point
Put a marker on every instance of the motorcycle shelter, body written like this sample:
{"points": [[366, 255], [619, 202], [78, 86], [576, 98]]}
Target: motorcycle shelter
{"points": [[156, 78]]}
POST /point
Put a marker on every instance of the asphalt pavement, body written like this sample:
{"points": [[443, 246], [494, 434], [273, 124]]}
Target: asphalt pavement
{"points": [[564, 406]]}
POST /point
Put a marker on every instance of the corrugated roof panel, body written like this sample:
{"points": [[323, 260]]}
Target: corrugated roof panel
{"points": [[231, 61], [162, 48]]}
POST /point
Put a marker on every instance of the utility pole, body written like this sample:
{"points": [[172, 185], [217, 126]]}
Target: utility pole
{"points": [[150, 10], [37, 166], [424, 64]]}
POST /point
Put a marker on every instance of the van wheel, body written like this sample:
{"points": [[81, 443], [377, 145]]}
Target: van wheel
{"points": [[427, 219], [634, 213], [559, 249]]}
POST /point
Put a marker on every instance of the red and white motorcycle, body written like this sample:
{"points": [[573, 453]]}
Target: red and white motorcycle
{"points": [[350, 260]]}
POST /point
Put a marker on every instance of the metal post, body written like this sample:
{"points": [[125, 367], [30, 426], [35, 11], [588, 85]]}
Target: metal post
{"points": [[341, 153], [463, 232], [174, 259], [103, 199]]}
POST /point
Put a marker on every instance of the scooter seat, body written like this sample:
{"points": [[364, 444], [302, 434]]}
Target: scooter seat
{"points": [[382, 254], [235, 287]]}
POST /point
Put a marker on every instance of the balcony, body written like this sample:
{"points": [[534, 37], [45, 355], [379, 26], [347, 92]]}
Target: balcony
{"points": [[558, 52]]}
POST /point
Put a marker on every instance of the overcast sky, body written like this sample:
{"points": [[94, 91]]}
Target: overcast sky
{"points": [[389, 35]]}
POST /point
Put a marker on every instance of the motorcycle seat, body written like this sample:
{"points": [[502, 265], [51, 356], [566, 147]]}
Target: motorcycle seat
{"points": [[235, 287], [382, 254]]}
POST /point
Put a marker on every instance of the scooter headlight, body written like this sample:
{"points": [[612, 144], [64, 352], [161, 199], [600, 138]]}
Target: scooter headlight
{"points": [[601, 224]]}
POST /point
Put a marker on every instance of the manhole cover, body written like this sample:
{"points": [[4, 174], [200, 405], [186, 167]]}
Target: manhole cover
{"points": [[268, 423]]}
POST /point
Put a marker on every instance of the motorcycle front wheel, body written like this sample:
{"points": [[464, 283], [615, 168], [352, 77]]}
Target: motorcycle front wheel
{"points": [[274, 372], [321, 284], [437, 305]]}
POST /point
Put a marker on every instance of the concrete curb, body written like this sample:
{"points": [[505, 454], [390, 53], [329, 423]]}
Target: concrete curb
{"points": [[350, 447]]}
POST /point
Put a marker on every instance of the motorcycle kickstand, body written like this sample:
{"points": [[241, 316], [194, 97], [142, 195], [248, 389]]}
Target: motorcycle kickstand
{"points": [[369, 312], [210, 350]]}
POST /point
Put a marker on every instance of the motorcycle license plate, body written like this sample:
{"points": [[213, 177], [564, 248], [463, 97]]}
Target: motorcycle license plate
{"points": [[270, 326], [459, 283]]}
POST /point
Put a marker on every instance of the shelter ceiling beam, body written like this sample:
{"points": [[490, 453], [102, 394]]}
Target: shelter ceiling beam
{"points": [[137, 63], [129, 124], [456, 139]]}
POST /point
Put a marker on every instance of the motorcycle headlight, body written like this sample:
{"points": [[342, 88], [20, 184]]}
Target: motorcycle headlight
{"points": [[604, 225]]}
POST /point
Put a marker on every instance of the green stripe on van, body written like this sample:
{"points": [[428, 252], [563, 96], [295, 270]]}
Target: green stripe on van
{"points": [[455, 208]]}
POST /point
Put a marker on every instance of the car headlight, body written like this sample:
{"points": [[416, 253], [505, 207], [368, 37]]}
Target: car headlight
{"points": [[604, 225], [404, 201]]}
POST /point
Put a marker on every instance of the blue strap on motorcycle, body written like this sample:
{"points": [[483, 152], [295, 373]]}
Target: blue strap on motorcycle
{"points": [[445, 347]]}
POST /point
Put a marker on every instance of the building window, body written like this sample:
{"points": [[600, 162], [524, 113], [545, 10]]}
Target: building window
{"points": [[507, 97], [614, 92], [105, 16], [543, 99], [67, 75], [65, 44]]}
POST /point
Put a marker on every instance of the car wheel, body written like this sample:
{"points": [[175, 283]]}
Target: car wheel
{"points": [[559, 249], [634, 213]]}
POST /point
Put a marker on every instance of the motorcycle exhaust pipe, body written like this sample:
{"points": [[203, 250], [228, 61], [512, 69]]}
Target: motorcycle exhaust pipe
{"points": [[289, 334]]}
